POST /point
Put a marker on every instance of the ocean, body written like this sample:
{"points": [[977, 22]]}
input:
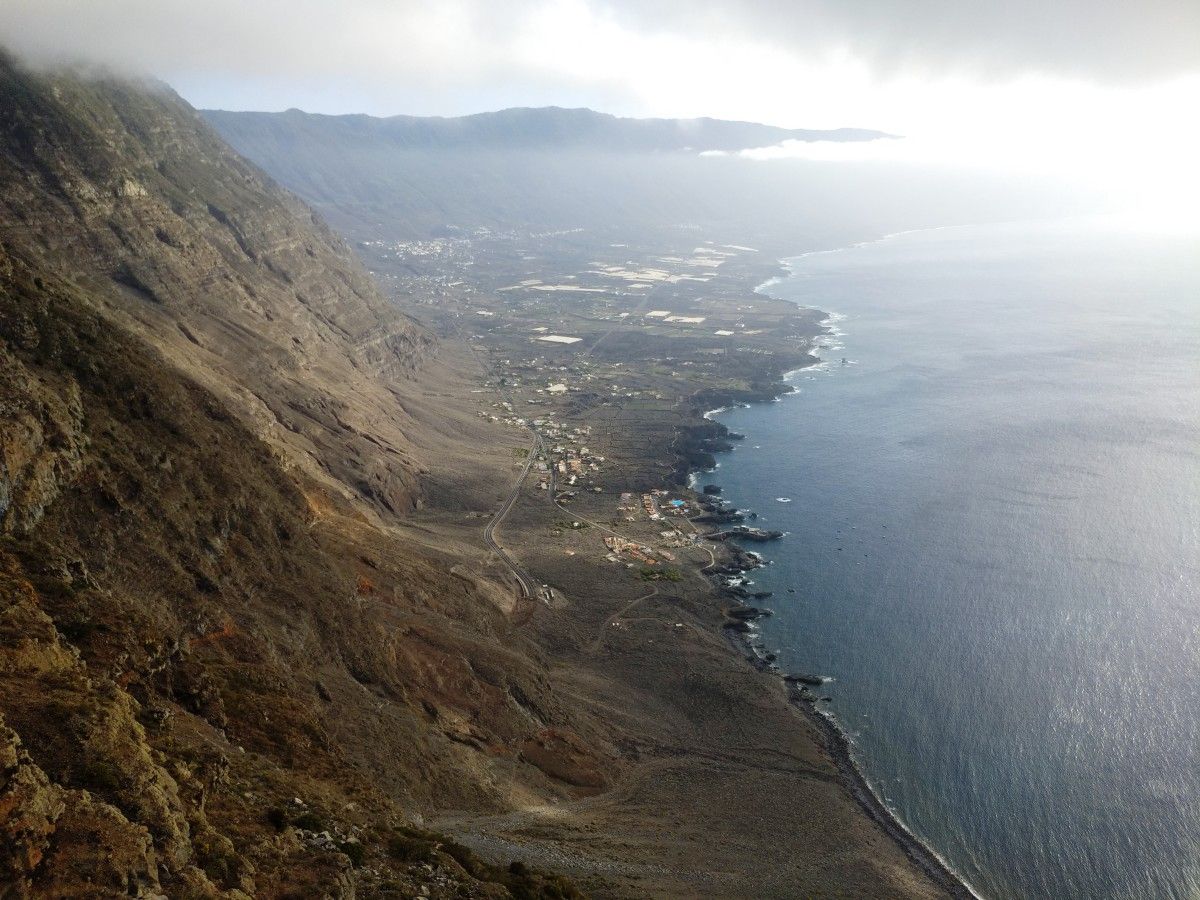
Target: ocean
{"points": [[992, 517]]}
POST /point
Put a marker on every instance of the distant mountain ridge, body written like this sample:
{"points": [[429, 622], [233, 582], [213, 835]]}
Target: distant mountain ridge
{"points": [[538, 168], [540, 128], [406, 177]]}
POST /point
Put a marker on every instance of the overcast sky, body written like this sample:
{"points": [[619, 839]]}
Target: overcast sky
{"points": [[1078, 84]]}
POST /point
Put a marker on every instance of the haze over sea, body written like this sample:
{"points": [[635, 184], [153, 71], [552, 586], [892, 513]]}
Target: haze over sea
{"points": [[994, 542]]}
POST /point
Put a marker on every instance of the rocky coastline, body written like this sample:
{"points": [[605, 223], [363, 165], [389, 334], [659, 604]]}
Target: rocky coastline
{"points": [[729, 579]]}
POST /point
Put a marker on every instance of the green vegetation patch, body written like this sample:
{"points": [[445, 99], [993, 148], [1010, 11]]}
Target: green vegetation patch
{"points": [[309, 821]]}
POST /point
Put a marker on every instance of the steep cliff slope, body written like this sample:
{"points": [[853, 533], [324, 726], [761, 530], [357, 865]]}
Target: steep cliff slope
{"points": [[231, 279], [222, 671]]}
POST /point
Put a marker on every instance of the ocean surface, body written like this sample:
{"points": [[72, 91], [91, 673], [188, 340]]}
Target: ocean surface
{"points": [[993, 538]]}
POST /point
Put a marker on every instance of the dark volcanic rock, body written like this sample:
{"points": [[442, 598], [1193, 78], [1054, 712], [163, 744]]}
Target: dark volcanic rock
{"points": [[747, 613], [812, 680], [721, 517], [746, 533]]}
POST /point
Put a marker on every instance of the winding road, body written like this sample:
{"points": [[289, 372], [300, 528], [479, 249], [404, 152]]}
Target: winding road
{"points": [[529, 587]]}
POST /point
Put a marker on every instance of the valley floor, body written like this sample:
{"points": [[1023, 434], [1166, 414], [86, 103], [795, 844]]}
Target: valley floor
{"points": [[697, 776]]}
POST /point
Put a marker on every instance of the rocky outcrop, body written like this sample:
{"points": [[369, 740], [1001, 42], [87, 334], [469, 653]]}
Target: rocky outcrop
{"points": [[56, 842], [124, 818], [566, 757], [41, 443], [746, 533]]}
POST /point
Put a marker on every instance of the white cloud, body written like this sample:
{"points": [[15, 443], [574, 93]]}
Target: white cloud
{"points": [[636, 51], [1016, 85], [1135, 146]]}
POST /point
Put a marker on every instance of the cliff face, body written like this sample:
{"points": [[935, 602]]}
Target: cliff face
{"points": [[218, 675], [232, 280]]}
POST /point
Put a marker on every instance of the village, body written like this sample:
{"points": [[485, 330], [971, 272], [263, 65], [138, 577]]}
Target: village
{"points": [[595, 359]]}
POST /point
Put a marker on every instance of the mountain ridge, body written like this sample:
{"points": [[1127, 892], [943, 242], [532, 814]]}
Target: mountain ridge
{"points": [[542, 168], [552, 126], [233, 279]]}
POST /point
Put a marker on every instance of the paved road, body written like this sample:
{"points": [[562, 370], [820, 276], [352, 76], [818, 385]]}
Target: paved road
{"points": [[529, 587]]}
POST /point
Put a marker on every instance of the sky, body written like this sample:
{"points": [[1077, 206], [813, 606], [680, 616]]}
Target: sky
{"points": [[1099, 90]]}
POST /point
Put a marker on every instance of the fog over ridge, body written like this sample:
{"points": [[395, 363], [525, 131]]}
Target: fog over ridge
{"points": [[459, 45]]}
